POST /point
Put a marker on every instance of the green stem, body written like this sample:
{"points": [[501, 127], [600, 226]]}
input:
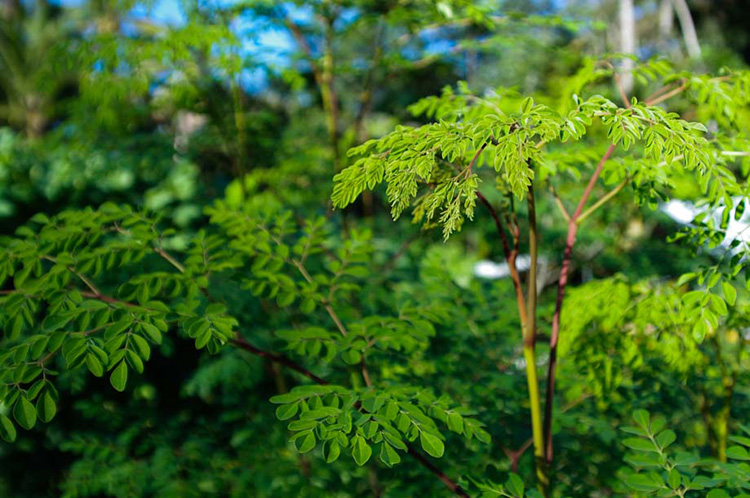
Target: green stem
{"points": [[529, 353], [604, 199], [536, 417]]}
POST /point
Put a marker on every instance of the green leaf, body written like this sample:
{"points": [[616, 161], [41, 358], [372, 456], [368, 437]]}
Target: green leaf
{"points": [[738, 453], [527, 104], [717, 493], [7, 429], [666, 438], [744, 441], [730, 293], [24, 413], [331, 451], [305, 443], [361, 451], [515, 485], [639, 444], [431, 444], [391, 410], [40, 218], [644, 460], [119, 377], [142, 347], [302, 425], [285, 412], [118, 327], [455, 422], [674, 479], [202, 339], [285, 398], [351, 357], [152, 332], [388, 455], [645, 482], [46, 407], [94, 365], [307, 306], [55, 322], [642, 418], [320, 413]]}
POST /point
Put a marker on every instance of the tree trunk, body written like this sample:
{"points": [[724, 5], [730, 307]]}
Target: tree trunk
{"points": [[627, 42], [688, 28]]}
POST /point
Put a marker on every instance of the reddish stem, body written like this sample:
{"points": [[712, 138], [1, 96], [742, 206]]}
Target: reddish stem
{"points": [[243, 344], [510, 258], [562, 283]]}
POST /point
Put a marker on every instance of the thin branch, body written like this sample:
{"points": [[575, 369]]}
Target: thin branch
{"points": [[324, 79], [243, 344], [477, 154], [329, 92], [510, 258], [668, 95], [604, 199], [559, 202], [299, 37], [621, 89], [449, 483], [661, 90], [86, 281], [391, 263], [365, 373], [562, 283], [111, 300], [78, 274], [592, 181], [164, 254], [531, 294], [498, 223], [515, 456], [327, 306]]}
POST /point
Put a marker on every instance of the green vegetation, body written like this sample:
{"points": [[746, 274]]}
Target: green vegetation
{"points": [[207, 289]]}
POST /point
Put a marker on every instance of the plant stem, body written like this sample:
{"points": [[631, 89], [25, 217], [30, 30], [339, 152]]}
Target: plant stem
{"points": [[530, 334], [604, 199], [559, 202], [170, 259], [510, 258], [661, 98], [529, 353], [562, 283], [328, 93], [241, 343], [528, 330], [324, 80], [449, 483]]}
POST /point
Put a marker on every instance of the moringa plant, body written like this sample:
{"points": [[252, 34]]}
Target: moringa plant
{"points": [[524, 148], [99, 290]]}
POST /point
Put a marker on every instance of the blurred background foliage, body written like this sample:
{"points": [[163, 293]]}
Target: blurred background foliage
{"points": [[171, 105]]}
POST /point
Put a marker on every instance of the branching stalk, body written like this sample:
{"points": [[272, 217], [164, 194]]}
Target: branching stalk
{"points": [[562, 283]]}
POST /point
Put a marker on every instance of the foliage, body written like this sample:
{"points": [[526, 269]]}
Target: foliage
{"points": [[203, 292]]}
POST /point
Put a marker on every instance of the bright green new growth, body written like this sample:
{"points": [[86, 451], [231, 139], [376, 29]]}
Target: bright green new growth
{"points": [[473, 131]]}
